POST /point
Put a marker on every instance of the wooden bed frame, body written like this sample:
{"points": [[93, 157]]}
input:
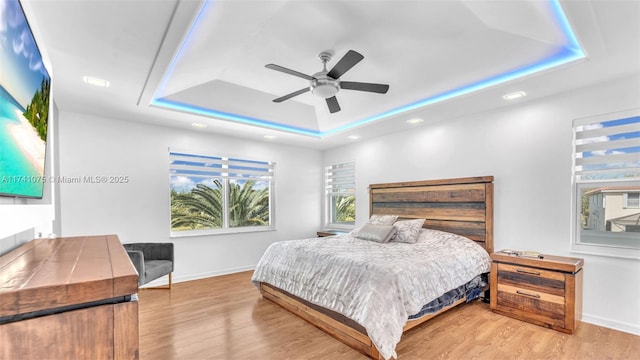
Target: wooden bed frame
{"points": [[461, 206]]}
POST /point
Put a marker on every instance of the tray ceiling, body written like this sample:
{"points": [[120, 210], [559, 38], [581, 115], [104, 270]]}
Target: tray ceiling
{"points": [[427, 52], [178, 63]]}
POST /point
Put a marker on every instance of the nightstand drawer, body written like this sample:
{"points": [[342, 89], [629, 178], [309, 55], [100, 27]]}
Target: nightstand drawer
{"points": [[542, 307], [531, 294], [531, 279]]}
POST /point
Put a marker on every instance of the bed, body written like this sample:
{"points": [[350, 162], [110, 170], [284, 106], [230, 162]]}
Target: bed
{"points": [[396, 282]]}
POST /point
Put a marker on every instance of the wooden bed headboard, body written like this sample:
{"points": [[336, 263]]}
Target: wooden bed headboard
{"points": [[461, 206]]}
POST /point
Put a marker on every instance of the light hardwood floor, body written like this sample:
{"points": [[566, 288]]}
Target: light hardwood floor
{"points": [[226, 318]]}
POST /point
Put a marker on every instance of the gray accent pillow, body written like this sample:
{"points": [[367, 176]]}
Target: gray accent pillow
{"points": [[383, 219], [377, 233], [407, 231]]}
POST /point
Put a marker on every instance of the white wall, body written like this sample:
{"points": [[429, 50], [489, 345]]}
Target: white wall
{"points": [[138, 211], [528, 148]]}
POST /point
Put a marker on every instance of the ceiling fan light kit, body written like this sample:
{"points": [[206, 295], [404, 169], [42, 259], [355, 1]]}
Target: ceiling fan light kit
{"points": [[326, 84], [324, 87]]}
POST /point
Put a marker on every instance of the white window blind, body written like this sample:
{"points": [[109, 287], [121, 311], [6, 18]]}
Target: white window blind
{"points": [[218, 166], [341, 178], [607, 150]]}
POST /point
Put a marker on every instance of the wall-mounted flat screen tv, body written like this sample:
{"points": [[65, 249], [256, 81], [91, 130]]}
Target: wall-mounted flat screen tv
{"points": [[24, 106]]}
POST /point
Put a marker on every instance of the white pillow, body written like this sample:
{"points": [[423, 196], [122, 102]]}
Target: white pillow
{"points": [[407, 231], [383, 219], [377, 233]]}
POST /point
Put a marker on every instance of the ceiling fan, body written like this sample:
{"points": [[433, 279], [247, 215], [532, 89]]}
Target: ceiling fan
{"points": [[326, 84]]}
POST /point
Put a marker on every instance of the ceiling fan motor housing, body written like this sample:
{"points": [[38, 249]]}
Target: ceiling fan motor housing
{"points": [[324, 86]]}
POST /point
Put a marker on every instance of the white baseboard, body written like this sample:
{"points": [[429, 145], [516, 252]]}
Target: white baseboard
{"points": [[176, 279], [612, 324]]}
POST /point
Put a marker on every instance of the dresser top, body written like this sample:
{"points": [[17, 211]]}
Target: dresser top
{"points": [[550, 262], [50, 273]]}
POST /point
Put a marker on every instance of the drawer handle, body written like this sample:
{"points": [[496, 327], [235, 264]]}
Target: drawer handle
{"points": [[527, 294], [528, 272]]}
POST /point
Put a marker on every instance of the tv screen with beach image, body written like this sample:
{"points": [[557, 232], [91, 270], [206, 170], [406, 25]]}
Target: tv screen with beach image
{"points": [[24, 106]]}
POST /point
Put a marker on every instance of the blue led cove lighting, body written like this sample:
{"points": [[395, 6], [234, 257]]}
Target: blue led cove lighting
{"points": [[174, 105], [569, 53]]}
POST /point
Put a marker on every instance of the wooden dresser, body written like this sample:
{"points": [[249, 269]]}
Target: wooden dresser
{"points": [[546, 291], [68, 298]]}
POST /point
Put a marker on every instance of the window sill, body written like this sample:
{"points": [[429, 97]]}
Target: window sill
{"points": [[607, 251], [339, 227], [192, 233]]}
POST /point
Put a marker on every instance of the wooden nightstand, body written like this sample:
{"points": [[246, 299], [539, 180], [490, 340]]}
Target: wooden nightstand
{"points": [[546, 292]]}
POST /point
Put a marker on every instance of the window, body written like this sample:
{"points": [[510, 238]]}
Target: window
{"points": [[217, 194], [340, 183], [632, 200], [607, 184]]}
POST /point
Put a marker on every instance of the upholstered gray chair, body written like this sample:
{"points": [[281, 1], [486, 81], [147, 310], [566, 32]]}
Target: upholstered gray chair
{"points": [[152, 261]]}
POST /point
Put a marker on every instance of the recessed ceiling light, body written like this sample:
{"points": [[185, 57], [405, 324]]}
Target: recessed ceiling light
{"points": [[414, 121], [96, 81], [269, 137], [353, 137], [514, 95], [198, 125]]}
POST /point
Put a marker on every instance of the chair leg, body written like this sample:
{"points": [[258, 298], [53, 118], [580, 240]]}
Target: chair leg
{"points": [[163, 287]]}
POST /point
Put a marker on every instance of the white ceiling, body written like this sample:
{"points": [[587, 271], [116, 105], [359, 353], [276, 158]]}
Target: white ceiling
{"points": [[210, 59]]}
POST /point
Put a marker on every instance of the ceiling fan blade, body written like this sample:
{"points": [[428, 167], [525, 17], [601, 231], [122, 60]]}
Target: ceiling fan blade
{"points": [[289, 96], [376, 88], [332, 102], [346, 63], [288, 71]]}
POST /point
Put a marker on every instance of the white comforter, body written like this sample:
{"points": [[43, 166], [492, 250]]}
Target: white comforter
{"points": [[377, 285]]}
